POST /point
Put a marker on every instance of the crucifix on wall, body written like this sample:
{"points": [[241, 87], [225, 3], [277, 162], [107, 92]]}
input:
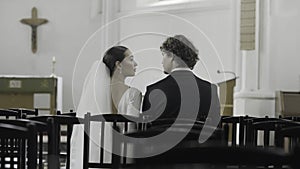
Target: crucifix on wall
{"points": [[34, 22]]}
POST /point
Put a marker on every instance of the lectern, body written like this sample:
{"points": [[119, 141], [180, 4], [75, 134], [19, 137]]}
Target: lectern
{"points": [[226, 96], [287, 103], [43, 93]]}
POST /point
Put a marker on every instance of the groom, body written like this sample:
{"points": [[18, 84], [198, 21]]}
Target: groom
{"points": [[181, 94]]}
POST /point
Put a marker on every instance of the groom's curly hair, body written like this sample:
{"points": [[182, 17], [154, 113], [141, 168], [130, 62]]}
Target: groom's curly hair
{"points": [[180, 46], [112, 55]]}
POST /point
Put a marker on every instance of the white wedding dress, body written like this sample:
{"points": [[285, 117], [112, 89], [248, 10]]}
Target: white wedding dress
{"points": [[96, 99]]}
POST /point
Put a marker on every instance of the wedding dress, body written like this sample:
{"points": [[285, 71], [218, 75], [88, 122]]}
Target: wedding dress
{"points": [[96, 99]]}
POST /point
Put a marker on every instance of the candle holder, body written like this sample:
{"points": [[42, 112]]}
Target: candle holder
{"points": [[53, 67]]}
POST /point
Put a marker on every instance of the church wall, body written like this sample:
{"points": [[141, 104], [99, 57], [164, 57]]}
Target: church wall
{"points": [[210, 26], [284, 45], [277, 57], [70, 24], [273, 65]]}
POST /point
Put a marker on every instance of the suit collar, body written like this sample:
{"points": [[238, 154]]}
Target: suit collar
{"points": [[181, 69], [181, 72]]}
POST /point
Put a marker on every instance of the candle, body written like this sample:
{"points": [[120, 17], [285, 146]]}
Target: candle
{"points": [[53, 66], [53, 59]]}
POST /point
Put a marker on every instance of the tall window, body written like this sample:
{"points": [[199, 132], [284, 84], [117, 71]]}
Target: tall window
{"points": [[144, 3], [126, 5]]}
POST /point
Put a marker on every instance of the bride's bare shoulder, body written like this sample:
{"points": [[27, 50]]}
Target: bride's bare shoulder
{"points": [[134, 90]]}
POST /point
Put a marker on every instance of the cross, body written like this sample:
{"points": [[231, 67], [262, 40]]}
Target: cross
{"points": [[34, 22]]}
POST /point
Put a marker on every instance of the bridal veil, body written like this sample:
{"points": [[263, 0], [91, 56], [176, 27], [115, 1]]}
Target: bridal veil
{"points": [[96, 99]]}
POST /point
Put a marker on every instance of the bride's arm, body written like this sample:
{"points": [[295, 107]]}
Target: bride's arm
{"points": [[134, 103], [133, 108]]}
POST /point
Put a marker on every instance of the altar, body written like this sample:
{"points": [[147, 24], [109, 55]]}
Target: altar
{"points": [[41, 92]]}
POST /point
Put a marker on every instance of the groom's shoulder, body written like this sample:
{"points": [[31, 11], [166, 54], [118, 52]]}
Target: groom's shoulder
{"points": [[159, 83]]}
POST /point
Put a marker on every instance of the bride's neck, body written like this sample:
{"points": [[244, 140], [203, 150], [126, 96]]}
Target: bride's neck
{"points": [[118, 88], [118, 78]]}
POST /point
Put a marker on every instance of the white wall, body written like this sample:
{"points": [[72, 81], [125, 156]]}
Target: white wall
{"points": [[274, 63], [70, 24], [284, 45], [210, 25]]}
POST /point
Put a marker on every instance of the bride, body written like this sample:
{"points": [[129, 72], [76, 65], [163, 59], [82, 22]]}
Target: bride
{"points": [[105, 91], [121, 64]]}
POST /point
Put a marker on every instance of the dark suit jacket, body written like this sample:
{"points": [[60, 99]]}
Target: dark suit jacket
{"points": [[182, 92]]}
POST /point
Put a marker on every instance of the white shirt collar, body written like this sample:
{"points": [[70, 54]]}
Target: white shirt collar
{"points": [[181, 68]]}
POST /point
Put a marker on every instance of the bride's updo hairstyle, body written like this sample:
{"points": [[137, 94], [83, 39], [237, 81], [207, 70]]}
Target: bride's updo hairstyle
{"points": [[112, 55]]}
